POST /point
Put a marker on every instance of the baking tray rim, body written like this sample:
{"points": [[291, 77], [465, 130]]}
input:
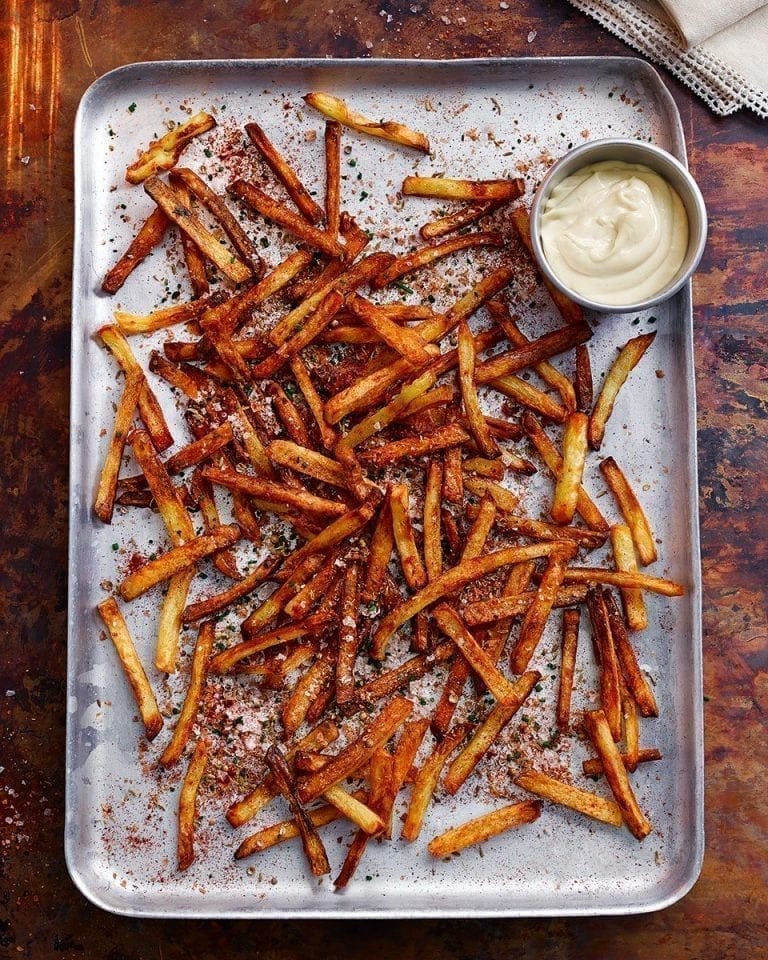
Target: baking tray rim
{"points": [[695, 859]]}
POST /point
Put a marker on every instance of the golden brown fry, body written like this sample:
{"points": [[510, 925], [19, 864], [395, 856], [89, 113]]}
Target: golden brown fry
{"points": [[594, 767], [170, 203], [624, 556], [104, 504], [310, 839], [149, 236], [195, 261], [447, 188], [629, 357], [433, 546], [268, 490], [583, 380], [179, 558], [302, 337], [375, 734], [275, 604], [314, 590], [448, 436], [349, 636], [540, 530], [381, 418], [462, 217], [478, 533], [616, 578], [135, 323], [472, 410], [402, 528], [485, 735], [554, 461], [454, 627], [426, 780], [202, 492], [188, 715], [164, 153], [610, 691], [426, 255], [491, 469], [354, 810], [332, 176], [188, 804], [385, 684], [630, 668], [591, 805], [288, 414], [630, 731], [515, 604], [569, 645], [311, 683], [214, 204], [538, 612], [379, 777], [238, 591], [449, 583], [529, 396], [483, 828], [505, 500], [314, 402], [283, 216], [382, 543], [134, 671], [285, 174], [453, 477], [285, 453], [334, 108], [566, 496], [546, 346], [616, 774], [404, 340], [631, 510]]}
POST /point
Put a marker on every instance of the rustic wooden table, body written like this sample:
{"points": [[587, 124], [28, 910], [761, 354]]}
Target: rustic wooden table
{"points": [[50, 51]]}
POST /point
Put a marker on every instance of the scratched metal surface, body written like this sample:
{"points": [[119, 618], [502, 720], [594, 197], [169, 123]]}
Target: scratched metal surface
{"points": [[51, 51], [118, 853]]}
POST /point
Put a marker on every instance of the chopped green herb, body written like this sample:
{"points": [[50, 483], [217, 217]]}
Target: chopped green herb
{"points": [[131, 107], [403, 286]]}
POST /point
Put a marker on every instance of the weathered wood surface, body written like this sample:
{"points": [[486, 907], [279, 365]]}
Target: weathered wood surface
{"points": [[50, 50]]}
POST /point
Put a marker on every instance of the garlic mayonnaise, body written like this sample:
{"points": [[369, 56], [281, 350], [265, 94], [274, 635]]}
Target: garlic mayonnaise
{"points": [[614, 232]]}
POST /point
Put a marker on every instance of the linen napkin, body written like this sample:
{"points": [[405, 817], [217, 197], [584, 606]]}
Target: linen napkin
{"points": [[718, 48]]}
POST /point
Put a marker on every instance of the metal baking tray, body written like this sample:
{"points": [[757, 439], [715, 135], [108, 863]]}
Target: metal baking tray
{"points": [[484, 118]]}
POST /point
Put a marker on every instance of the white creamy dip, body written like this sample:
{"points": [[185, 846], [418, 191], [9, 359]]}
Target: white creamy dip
{"points": [[614, 232]]}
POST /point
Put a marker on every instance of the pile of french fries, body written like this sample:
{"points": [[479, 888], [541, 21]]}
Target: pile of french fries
{"points": [[394, 481]]}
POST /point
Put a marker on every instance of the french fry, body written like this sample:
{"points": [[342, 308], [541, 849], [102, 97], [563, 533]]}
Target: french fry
{"points": [[310, 684], [569, 644], [396, 679], [487, 732], [104, 504], [134, 671], [173, 561], [566, 496], [224, 560], [448, 436], [188, 804], [149, 236], [381, 418], [379, 776], [482, 525], [214, 204], [472, 410], [433, 548], [313, 591], [529, 396], [616, 774], [402, 528], [334, 108], [271, 491], [591, 805], [238, 591], [594, 767], [570, 311], [246, 809], [629, 357], [583, 380], [617, 578], [170, 203], [132, 324], [285, 453], [288, 414], [315, 404], [491, 469], [426, 255], [540, 530], [186, 721], [624, 557], [447, 188], [514, 605], [463, 217], [484, 828], [310, 839], [189, 456], [354, 810], [554, 462], [420, 640], [275, 604], [349, 636], [454, 627], [382, 543], [303, 336], [630, 668], [332, 176], [610, 691], [285, 174], [405, 341], [631, 510], [630, 729], [453, 478], [194, 260], [375, 734], [284, 217], [449, 583], [546, 346], [163, 154], [505, 500], [426, 780], [537, 614]]}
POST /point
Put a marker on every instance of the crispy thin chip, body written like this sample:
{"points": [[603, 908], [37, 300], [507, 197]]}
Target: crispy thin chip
{"points": [[472, 410], [426, 255], [616, 578], [104, 504], [433, 547], [448, 436], [314, 402], [515, 605], [610, 691], [463, 217], [540, 530], [405, 341], [381, 418], [268, 490], [416, 667], [334, 108], [302, 337], [630, 668], [311, 683], [546, 346], [349, 636], [332, 176], [529, 396], [238, 591], [164, 153], [583, 380], [453, 477], [594, 767]]}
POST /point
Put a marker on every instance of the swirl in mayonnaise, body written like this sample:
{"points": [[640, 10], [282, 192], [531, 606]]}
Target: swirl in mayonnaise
{"points": [[614, 232]]}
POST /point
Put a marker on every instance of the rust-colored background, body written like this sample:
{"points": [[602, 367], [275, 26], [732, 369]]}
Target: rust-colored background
{"points": [[50, 50]]}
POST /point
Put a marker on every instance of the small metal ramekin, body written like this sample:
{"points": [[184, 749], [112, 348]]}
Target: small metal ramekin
{"points": [[628, 151]]}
